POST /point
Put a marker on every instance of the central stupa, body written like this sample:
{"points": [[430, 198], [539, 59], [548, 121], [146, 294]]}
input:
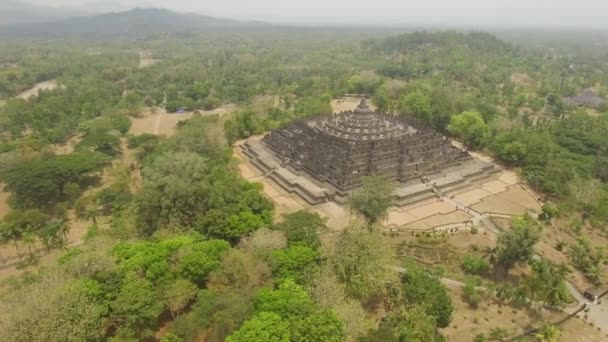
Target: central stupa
{"points": [[342, 148]]}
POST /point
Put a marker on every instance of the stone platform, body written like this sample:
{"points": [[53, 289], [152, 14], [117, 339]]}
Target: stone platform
{"points": [[313, 191]]}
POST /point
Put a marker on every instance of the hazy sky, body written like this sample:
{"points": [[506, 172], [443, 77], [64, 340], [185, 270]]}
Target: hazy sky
{"points": [[469, 13]]}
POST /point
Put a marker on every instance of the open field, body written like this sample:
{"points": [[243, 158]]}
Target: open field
{"points": [[46, 85], [157, 121]]}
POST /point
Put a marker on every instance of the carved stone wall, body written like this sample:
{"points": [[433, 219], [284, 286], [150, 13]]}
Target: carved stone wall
{"points": [[341, 149]]}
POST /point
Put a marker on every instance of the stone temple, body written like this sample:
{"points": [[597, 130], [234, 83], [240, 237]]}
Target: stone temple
{"points": [[324, 158]]}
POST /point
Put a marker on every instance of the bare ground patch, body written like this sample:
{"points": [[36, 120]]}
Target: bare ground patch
{"points": [[157, 121], [468, 322], [4, 206], [46, 85], [522, 79], [146, 59]]}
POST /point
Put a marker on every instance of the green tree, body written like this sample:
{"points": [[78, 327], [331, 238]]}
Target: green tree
{"points": [[71, 311], [372, 199], [302, 228], [475, 265], [321, 326], [547, 283], [601, 169], [382, 100], [41, 182], [12, 229], [136, 307], [288, 300], [586, 258], [169, 337], [471, 294], [306, 322], [413, 324], [296, 262], [88, 208], [420, 287], [417, 105], [53, 234], [362, 261], [263, 327], [121, 123], [517, 245], [470, 127], [177, 295], [199, 259], [548, 333], [173, 189], [101, 142]]}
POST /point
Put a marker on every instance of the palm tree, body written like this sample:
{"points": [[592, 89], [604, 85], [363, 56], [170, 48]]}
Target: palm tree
{"points": [[87, 208], [10, 231], [548, 333]]}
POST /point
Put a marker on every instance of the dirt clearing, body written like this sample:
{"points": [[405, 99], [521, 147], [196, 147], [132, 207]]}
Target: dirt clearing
{"points": [[468, 322], [146, 60], [158, 122], [4, 207], [46, 85]]}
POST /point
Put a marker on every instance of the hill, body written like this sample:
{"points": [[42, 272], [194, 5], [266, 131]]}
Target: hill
{"points": [[138, 22], [13, 12]]}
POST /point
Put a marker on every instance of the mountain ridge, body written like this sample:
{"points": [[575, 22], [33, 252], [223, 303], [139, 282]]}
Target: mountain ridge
{"points": [[137, 22], [15, 12]]}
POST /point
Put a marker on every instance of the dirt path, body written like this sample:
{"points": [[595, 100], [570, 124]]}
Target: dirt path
{"points": [[157, 125]]}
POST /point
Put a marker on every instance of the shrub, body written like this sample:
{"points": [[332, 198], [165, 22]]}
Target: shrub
{"points": [[475, 265]]}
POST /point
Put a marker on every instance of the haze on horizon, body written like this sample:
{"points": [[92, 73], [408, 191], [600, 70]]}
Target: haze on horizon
{"points": [[450, 13]]}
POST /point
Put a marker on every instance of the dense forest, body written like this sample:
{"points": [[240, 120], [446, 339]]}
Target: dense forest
{"points": [[179, 247]]}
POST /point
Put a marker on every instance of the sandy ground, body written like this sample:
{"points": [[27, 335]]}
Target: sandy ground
{"points": [[67, 147], [4, 207], [467, 322], [146, 62], [47, 85], [157, 121], [146, 59], [522, 79]]}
